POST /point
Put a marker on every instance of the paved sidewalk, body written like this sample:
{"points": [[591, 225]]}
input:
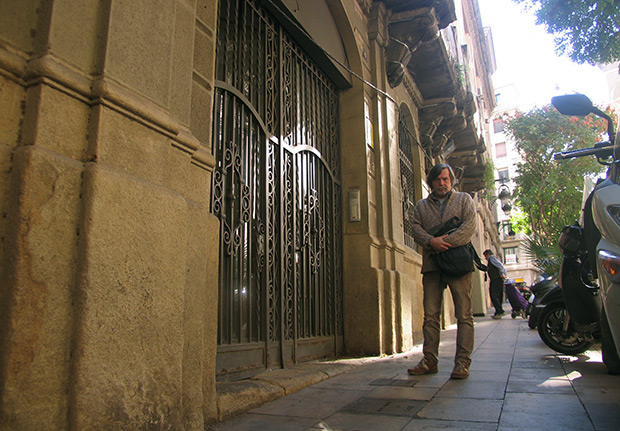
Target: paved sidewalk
{"points": [[515, 383]]}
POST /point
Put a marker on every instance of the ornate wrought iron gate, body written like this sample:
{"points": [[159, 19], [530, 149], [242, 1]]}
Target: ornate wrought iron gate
{"points": [[276, 190]]}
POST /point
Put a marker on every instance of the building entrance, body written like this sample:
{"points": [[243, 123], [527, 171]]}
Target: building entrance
{"points": [[277, 192]]}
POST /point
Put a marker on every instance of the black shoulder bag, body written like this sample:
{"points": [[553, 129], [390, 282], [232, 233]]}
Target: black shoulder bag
{"points": [[455, 261]]}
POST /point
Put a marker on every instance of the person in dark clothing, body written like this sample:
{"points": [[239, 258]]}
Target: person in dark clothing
{"points": [[497, 275]]}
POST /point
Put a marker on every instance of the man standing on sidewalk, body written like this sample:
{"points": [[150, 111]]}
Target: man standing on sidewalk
{"points": [[497, 275], [441, 205]]}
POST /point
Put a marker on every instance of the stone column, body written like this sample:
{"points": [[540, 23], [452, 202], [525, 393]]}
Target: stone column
{"points": [[108, 270]]}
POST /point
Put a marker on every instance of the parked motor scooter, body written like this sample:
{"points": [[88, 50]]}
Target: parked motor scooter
{"points": [[543, 284], [558, 329], [590, 271]]}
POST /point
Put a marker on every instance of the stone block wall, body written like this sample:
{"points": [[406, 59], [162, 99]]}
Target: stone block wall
{"points": [[108, 270]]}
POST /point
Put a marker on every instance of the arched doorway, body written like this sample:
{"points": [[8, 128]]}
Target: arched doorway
{"points": [[277, 192]]}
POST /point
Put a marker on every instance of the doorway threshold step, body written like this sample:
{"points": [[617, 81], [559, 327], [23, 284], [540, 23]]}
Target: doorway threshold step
{"points": [[242, 395]]}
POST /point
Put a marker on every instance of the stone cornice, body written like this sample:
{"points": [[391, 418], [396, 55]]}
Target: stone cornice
{"points": [[49, 70]]}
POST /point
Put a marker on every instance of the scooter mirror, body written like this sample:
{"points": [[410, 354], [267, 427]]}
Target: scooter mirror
{"points": [[573, 104]]}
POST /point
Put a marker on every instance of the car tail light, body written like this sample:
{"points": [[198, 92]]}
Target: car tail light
{"points": [[610, 262]]}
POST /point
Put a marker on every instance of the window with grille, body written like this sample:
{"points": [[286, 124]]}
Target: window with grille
{"points": [[405, 143]]}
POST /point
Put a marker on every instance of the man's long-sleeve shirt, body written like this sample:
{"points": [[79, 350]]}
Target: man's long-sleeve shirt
{"points": [[495, 268], [426, 215]]}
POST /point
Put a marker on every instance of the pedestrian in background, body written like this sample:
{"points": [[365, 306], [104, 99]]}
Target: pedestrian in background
{"points": [[497, 275]]}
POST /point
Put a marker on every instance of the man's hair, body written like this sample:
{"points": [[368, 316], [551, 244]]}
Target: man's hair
{"points": [[489, 252], [436, 171]]}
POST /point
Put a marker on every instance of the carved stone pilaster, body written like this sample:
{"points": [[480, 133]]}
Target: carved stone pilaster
{"points": [[378, 24]]}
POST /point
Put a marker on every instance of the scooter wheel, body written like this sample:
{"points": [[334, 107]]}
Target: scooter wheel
{"points": [[610, 353], [551, 331]]}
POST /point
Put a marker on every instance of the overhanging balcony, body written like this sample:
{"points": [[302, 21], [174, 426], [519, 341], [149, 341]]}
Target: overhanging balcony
{"points": [[447, 126]]}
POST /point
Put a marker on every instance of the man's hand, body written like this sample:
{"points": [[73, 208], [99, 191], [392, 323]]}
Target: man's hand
{"points": [[439, 244]]}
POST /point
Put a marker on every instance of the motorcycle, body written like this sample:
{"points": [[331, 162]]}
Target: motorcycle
{"points": [[589, 308], [543, 284]]}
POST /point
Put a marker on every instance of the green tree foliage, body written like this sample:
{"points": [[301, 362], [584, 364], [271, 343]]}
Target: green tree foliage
{"points": [[489, 175], [547, 258], [588, 31], [549, 192]]}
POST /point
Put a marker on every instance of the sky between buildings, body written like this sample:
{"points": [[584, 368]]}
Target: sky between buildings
{"points": [[526, 57]]}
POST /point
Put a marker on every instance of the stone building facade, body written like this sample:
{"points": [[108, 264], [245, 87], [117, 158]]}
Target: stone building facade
{"points": [[197, 190]]}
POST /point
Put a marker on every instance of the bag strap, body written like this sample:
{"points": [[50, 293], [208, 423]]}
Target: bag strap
{"points": [[446, 227], [481, 266]]}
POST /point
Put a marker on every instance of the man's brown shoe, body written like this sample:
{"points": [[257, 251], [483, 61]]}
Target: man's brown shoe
{"points": [[461, 371], [423, 368]]}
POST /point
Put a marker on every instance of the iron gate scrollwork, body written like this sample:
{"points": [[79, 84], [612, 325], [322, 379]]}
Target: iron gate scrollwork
{"points": [[276, 190]]}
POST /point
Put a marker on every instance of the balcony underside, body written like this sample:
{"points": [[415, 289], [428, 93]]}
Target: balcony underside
{"points": [[447, 126]]}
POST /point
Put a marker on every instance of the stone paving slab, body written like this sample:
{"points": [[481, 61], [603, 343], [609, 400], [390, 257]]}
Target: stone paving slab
{"points": [[553, 385], [535, 374], [343, 421], [310, 403], [473, 389], [463, 409], [394, 382], [385, 406], [438, 425], [603, 411], [259, 422], [545, 412], [414, 393]]}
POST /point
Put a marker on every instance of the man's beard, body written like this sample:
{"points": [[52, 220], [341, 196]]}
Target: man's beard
{"points": [[441, 191]]}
